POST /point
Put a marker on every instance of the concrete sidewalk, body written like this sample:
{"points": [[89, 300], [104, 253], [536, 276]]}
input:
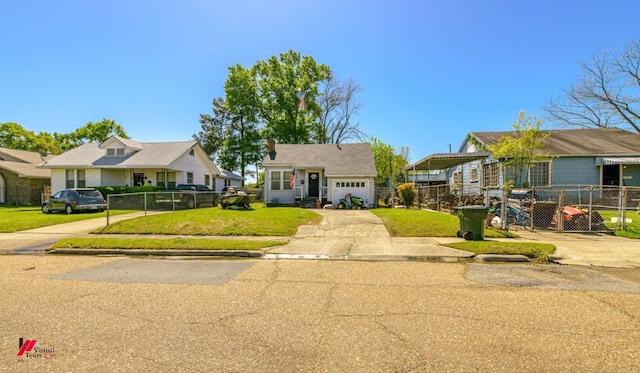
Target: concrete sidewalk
{"points": [[361, 235]]}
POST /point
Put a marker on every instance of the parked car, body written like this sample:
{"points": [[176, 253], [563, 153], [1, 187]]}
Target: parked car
{"points": [[75, 200], [187, 196]]}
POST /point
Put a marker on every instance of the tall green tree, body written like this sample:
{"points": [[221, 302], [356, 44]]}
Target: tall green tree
{"points": [[521, 149], [212, 135], [242, 138], [384, 158], [287, 90], [97, 132]]}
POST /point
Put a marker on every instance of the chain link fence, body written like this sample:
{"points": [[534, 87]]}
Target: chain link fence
{"points": [[162, 201], [563, 208]]}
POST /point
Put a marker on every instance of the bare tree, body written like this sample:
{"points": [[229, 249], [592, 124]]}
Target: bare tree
{"points": [[607, 95], [339, 107]]}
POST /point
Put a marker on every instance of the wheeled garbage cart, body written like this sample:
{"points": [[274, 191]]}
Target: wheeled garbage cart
{"points": [[472, 221]]}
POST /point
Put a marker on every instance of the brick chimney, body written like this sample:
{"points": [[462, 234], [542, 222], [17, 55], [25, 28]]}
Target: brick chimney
{"points": [[272, 149]]}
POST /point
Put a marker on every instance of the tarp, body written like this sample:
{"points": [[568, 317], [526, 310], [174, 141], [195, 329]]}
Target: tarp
{"points": [[441, 161], [604, 161]]}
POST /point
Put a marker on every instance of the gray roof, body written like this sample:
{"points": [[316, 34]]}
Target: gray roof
{"points": [[23, 163], [230, 175], [150, 155], [587, 141], [346, 160]]}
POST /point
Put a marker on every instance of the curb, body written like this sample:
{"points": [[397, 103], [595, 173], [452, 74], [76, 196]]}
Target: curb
{"points": [[144, 252], [501, 258]]}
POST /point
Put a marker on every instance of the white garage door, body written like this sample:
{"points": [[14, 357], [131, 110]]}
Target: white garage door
{"points": [[357, 188]]}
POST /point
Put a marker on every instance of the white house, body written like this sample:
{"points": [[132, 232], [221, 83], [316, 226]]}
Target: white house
{"points": [[325, 172], [120, 162]]}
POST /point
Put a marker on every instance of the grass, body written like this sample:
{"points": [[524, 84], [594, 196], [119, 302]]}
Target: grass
{"points": [[420, 223], [632, 230], [534, 250], [13, 219], [417, 223], [260, 221], [164, 244]]}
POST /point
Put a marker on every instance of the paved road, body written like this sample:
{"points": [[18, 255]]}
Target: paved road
{"points": [[306, 316], [126, 314]]}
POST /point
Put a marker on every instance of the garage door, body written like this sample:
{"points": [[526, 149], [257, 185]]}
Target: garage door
{"points": [[357, 188]]}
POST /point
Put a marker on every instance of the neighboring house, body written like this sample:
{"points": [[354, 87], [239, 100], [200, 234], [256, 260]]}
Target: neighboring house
{"points": [[227, 178], [21, 182], [602, 156], [325, 172], [122, 162]]}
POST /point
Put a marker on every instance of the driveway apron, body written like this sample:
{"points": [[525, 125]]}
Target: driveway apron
{"points": [[359, 234]]}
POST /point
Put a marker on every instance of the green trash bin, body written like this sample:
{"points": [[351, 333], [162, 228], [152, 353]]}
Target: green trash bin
{"points": [[472, 220]]}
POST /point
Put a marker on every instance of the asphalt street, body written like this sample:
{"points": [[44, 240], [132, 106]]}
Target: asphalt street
{"points": [[305, 316], [127, 314]]}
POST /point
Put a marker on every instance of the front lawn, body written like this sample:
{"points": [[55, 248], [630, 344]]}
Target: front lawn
{"points": [[13, 219], [533, 250], [632, 229], [163, 244], [420, 223], [260, 221]]}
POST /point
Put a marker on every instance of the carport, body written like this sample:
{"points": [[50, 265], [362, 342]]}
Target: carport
{"points": [[442, 161]]}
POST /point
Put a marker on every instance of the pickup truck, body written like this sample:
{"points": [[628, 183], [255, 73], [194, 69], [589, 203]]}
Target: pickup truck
{"points": [[187, 196]]}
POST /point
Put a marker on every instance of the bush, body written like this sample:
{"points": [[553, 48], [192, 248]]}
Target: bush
{"points": [[407, 194], [105, 190]]}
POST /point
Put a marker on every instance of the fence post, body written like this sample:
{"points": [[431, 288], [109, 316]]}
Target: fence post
{"points": [[590, 208], [108, 207], [560, 213], [623, 207]]}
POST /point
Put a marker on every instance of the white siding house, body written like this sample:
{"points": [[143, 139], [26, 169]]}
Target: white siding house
{"points": [[325, 172], [123, 162]]}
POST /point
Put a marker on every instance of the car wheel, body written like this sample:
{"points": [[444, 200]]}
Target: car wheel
{"points": [[46, 209], [68, 209]]}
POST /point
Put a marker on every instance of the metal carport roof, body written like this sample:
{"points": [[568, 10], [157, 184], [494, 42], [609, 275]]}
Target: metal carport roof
{"points": [[441, 161]]}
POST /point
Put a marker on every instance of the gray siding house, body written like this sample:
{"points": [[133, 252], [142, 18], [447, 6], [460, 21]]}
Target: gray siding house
{"points": [[602, 156], [325, 172]]}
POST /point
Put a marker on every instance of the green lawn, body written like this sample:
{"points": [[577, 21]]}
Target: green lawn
{"points": [[533, 250], [13, 219], [163, 244], [420, 223], [260, 221], [632, 230]]}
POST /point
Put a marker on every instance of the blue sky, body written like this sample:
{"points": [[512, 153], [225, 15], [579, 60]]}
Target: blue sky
{"points": [[431, 71]]}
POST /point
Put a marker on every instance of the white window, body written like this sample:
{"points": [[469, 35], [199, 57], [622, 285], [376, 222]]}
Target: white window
{"points": [[490, 175], [276, 180], [82, 179], [474, 175], [207, 180], [115, 152], [287, 178], [189, 177], [539, 174], [457, 180], [70, 179]]}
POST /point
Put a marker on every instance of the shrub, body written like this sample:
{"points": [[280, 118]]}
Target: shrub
{"points": [[407, 194]]}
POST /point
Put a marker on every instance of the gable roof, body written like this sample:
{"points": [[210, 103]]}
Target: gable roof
{"points": [[585, 141], [346, 160], [149, 155], [230, 175], [24, 163]]}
